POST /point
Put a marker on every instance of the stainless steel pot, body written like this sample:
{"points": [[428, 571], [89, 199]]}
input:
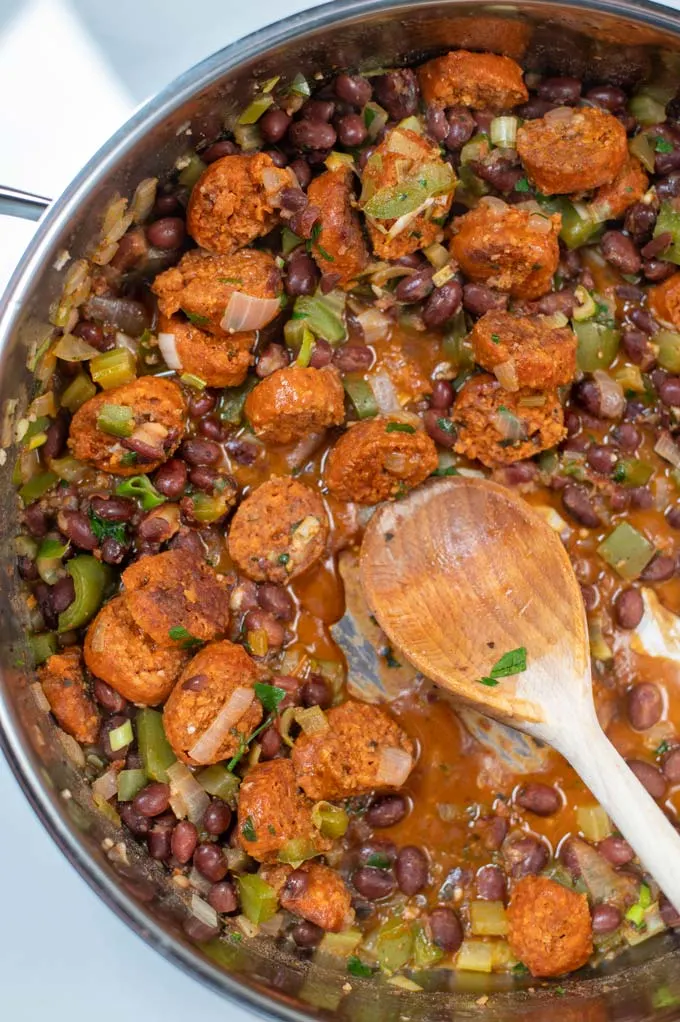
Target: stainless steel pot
{"points": [[620, 38]]}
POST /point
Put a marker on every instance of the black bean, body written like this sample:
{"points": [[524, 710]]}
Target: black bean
{"points": [[166, 205], [442, 304], [411, 870], [272, 358], [669, 913], [659, 569], [302, 274], [644, 705], [446, 929], [373, 883], [57, 433], [200, 452], [76, 525], [478, 299], [636, 345], [609, 97], [671, 766], [619, 250], [302, 172], [439, 427], [28, 569], [577, 502], [303, 223], [43, 595], [297, 883], [353, 358], [112, 701], [534, 108], [643, 320], [167, 233], [601, 459], [278, 158], [35, 520], [591, 597], [606, 918], [491, 885], [159, 841], [563, 91], [667, 188], [210, 862], [398, 92], [386, 810], [308, 134], [201, 402], [519, 473], [322, 354], [669, 391], [184, 841], [639, 221], [381, 847], [211, 428], [557, 301], [524, 855], [416, 287], [628, 437], [316, 692], [673, 517], [353, 89], [351, 130], [294, 200], [656, 247], [628, 608], [437, 122], [306, 934], [263, 621], [203, 477], [274, 125], [134, 821], [657, 270], [219, 149], [277, 601], [442, 395], [650, 777], [63, 594], [223, 897], [113, 509], [666, 163], [541, 799], [641, 497], [270, 743], [616, 851], [318, 110], [93, 333], [152, 800], [461, 127], [217, 817]]}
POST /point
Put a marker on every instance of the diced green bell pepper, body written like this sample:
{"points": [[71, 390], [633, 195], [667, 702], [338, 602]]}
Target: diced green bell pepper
{"points": [[331, 820], [259, 901], [668, 222], [153, 746], [130, 782], [37, 487], [90, 579], [627, 551], [360, 393], [219, 781], [632, 472], [394, 944], [668, 343], [42, 646], [233, 400], [597, 345]]}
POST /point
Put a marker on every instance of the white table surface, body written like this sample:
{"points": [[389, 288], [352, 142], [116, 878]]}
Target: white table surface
{"points": [[72, 71]]}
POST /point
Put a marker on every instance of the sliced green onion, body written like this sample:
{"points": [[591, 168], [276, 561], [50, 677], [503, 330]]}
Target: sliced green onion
{"points": [[597, 345], [306, 349], [668, 343], [296, 851], [632, 472], [90, 579], [646, 109], [130, 782], [219, 781], [193, 381], [503, 132], [586, 308], [154, 748], [259, 901], [113, 368], [191, 172], [255, 109], [627, 551], [362, 397], [79, 390], [42, 646], [668, 222], [233, 399], [35, 429], [324, 315], [395, 201], [142, 489], [300, 86], [641, 147], [121, 736], [635, 914], [36, 487], [116, 420], [331, 820], [399, 427]]}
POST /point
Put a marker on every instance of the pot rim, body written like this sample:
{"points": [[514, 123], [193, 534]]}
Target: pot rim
{"points": [[15, 747]]}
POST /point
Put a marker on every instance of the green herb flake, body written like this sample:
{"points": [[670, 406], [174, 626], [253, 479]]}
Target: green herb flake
{"points": [[197, 320], [356, 967], [489, 682], [522, 185], [248, 829], [560, 991], [179, 634], [271, 829], [664, 998], [662, 748], [390, 659], [129, 458], [662, 146], [495, 338], [399, 427], [520, 969], [448, 471], [513, 662], [107, 530], [378, 861], [269, 695], [446, 426], [283, 559]]}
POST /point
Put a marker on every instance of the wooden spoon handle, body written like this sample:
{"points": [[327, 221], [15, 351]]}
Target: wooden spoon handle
{"points": [[627, 802]]}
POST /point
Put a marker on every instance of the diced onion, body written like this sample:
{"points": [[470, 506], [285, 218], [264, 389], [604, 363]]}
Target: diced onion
{"points": [[494, 203], [246, 312], [204, 912], [506, 374], [385, 393], [187, 797], [601, 879], [397, 142], [144, 198], [40, 697], [198, 881], [560, 115], [272, 927], [73, 349], [153, 434], [540, 223], [612, 399], [168, 346], [312, 720], [667, 449], [509, 426], [503, 131], [204, 750], [303, 450], [106, 786], [275, 180], [396, 462], [402, 222], [374, 324], [555, 319], [394, 767]]}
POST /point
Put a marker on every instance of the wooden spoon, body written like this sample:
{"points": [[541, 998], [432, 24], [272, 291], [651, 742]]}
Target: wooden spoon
{"points": [[461, 573]]}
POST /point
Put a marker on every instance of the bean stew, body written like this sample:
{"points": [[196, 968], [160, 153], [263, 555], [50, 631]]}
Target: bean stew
{"points": [[461, 267]]}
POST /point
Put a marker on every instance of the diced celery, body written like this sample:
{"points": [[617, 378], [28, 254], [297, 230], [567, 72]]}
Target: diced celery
{"points": [[627, 551], [154, 747], [425, 952], [79, 390], [248, 137], [90, 579], [113, 368], [668, 222], [121, 736], [597, 345], [488, 919], [470, 187], [142, 489], [219, 781], [300, 86], [475, 956], [323, 315], [375, 119], [456, 345], [476, 149], [632, 472], [130, 782], [503, 132], [42, 646], [116, 420], [26, 546], [207, 508], [297, 850], [394, 944], [36, 487], [255, 109], [668, 343], [191, 172], [646, 109], [259, 901], [593, 822], [360, 393], [331, 820], [193, 381], [341, 944], [233, 400], [258, 642], [304, 356], [576, 230]]}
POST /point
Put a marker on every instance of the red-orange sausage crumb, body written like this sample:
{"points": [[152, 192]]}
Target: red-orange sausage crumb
{"points": [[272, 812], [232, 203], [63, 683], [496, 427], [292, 403], [612, 200], [541, 355], [339, 246], [508, 249], [348, 758], [315, 892], [549, 927], [583, 150], [664, 301], [220, 360], [480, 80]]}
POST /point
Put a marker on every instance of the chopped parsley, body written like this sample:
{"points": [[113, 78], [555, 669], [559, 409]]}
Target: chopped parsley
{"points": [[107, 530], [662, 748], [495, 338], [229, 280], [513, 662], [129, 458], [662, 146], [522, 185], [283, 558], [520, 969], [248, 829], [399, 427], [446, 426], [179, 634], [378, 861], [390, 658], [194, 318], [314, 240], [356, 967], [560, 991], [448, 471], [269, 695], [272, 829]]}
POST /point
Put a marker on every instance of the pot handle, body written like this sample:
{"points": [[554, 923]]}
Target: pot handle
{"points": [[22, 204]]}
